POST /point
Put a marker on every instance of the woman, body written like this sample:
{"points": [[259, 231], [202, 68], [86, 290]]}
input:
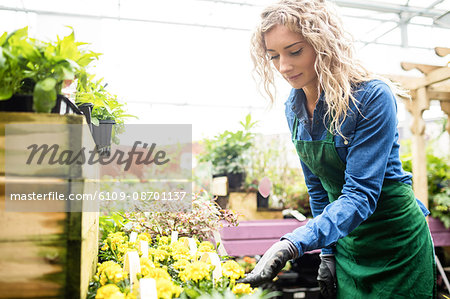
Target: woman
{"points": [[374, 237]]}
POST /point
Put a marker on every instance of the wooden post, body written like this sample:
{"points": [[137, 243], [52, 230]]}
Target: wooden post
{"points": [[445, 106], [419, 162]]}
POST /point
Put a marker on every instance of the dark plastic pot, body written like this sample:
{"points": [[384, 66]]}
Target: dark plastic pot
{"points": [[102, 136], [24, 103], [235, 180], [261, 201], [86, 109]]}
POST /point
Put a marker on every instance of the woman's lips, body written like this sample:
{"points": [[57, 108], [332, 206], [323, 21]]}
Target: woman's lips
{"points": [[292, 78]]}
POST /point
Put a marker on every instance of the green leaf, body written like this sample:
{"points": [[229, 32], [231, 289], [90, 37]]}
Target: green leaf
{"points": [[2, 60], [44, 95], [95, 121], [68, 48], [3, 38], [5, 92]]}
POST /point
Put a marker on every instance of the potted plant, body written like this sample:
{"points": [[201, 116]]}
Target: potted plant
{"points": [[438, 175], [271, 158], [107, 114], [32, 72], [226, 152]]}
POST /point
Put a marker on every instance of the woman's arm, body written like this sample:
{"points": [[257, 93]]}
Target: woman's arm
{"points": [[318, 197], [364, 175]]}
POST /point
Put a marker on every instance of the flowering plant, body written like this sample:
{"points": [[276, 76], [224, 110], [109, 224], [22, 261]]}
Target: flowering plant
{"points": [[247, 263], [205, 218], [180, 269]]}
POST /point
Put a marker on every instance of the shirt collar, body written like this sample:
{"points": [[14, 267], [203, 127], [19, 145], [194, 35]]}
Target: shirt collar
{"points": [[296, 103]]}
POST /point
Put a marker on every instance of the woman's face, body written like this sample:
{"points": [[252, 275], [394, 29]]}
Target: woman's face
{"points": [[292, 56]]}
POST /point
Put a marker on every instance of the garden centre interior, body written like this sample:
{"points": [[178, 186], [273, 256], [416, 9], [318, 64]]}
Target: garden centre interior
{"points": [[173, 82]]}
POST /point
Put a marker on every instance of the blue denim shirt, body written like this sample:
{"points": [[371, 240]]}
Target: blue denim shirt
{"points": [[370, 153]]}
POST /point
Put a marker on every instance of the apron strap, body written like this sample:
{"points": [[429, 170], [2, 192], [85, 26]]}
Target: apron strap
{"points": [[295, 128]]}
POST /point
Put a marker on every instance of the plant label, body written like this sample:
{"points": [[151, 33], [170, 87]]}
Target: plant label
{"points": [[192, 246], [173, 237], [133, 237], [213, 258], [132, 265], [265, 186], [143, 246], [147, 288]]}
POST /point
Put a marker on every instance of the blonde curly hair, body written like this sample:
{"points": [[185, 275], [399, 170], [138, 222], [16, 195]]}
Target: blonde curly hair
{"points": [[337, 69]]}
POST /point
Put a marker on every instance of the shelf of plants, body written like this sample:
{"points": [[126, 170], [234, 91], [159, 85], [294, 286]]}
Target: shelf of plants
{"points": [[174, 249]]}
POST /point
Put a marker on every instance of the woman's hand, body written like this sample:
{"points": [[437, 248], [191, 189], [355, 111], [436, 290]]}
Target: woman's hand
{"points": [[327, 276], [271, 263]]}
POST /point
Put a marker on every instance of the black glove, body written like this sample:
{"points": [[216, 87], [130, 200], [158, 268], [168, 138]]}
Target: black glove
{"points": [[271, 263], [327, 276]]}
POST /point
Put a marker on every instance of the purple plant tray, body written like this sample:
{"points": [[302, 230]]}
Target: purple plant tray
{"points": [[440, 234], [255, 237]]}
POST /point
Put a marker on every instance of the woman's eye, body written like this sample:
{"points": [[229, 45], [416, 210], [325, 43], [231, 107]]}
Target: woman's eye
{"points": [[299, 51], [274, 57]]}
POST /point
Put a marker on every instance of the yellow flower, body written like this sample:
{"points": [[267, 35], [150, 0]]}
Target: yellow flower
{"points": [[144, 237], [146, 265], [184, 241], [166, 289], [130, 296], [110, 272], [158, 255], [179, 252], [164, 240], [206, 246], [232, 270], [105, 247], [157, 273], [181, 264], [243, 288], [109, 291], [196, 271]]}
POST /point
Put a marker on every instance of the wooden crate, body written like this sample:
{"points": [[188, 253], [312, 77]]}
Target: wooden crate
{"points": [[48, 254]]}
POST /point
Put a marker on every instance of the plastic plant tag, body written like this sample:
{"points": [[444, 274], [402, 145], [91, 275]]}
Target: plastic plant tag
{"points": [[132, 265], [185, 242], [173, 237], [192, 246], [213, 258], [147, 288], [265, 186], [133, 236], [143, 246], [218, 239]]}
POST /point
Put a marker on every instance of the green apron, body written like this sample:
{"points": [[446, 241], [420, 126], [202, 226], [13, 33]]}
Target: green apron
{"points": [[390, 255]]}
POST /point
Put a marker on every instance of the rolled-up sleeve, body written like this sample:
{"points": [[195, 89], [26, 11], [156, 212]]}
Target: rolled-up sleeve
{"points": [[318, 198], [366, 163]]}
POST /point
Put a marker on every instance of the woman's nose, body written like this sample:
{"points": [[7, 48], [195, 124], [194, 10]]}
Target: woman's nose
{"points": [[285, 65]]}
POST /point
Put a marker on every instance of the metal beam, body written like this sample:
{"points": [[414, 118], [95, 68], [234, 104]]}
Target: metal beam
{"points": [[390, 8], [97, 17]]}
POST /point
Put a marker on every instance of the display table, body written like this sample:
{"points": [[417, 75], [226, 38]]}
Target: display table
{"points": [[440, 234], [255, 237]]}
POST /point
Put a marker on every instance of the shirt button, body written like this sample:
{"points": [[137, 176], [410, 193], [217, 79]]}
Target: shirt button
{"points": [[345, 142], [293, 107]]}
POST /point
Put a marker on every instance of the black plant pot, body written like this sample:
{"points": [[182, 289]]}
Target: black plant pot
{"points": [[86, 109], [24, 103], [261, 201], [235, 180], [102, 136]]}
